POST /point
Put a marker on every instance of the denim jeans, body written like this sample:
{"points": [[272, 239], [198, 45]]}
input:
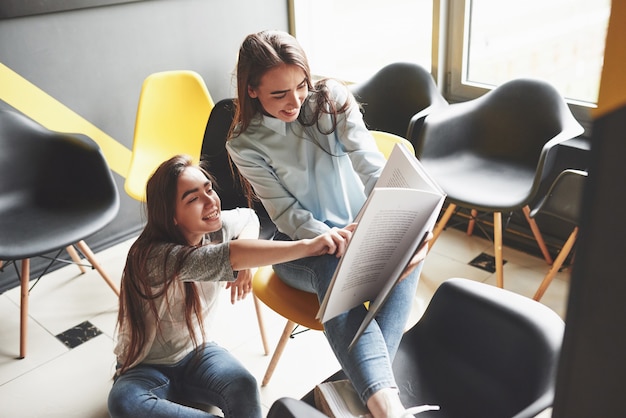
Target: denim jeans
{"points": [[209, 376], [368, 364]]}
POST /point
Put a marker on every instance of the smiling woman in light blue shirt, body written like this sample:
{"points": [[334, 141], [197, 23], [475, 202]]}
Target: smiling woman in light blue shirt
{"points": [[309, 181], [305, 151]]}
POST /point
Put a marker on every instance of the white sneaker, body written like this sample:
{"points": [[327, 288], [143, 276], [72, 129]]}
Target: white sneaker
{"points": [[338, 399], [395, 409]]}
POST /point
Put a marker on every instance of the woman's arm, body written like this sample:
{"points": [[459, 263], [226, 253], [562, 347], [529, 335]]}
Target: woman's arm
{"points": [[245, 254], [365, 157], [247, 226]]}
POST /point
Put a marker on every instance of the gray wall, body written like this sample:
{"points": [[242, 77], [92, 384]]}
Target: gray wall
{"points": [[94, 60]]}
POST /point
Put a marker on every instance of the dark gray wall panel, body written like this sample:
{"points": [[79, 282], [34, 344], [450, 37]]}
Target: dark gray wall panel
{"points": [[94, 60]]}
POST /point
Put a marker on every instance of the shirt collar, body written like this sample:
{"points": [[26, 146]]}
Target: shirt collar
{"points": [[275, 125]]}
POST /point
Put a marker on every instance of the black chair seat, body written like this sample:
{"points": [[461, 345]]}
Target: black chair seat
{"points": [[486, 186], [63, 226], [478, 351]]}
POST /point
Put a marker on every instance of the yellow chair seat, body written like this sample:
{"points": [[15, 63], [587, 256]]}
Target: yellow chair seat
{"points": [[293, 304]]}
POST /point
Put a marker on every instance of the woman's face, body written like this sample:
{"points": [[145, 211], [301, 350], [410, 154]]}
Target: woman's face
{"points": [[281, 91], [198, 207]]}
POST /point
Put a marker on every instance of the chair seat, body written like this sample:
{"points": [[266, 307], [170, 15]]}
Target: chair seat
{"points": [[478, 351], [471, 181], [63, 226], [296, 305]]}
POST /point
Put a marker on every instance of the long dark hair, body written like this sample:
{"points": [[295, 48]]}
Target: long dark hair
{"points": [[139, 291], [261, 52]]}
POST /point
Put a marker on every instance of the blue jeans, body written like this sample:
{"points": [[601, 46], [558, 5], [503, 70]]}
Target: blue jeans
{"points": [[209, 376], [368, 364]]}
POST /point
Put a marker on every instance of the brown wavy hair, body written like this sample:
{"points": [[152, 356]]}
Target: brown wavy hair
{"points": [[259, 53], [138, 291]]}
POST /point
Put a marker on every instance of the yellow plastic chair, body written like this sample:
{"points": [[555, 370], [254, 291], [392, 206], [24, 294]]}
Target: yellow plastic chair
{"points": [[172, 114], [386, 141], [297, 306]]}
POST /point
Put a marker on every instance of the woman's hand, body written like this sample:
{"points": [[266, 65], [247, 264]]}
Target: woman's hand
{"points": [[419, 256], [240, 288], [334, 241]]}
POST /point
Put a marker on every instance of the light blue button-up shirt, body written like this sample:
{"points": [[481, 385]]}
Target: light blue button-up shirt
{"points": [[309, 181]]}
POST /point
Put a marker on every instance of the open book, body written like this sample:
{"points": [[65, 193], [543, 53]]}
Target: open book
{"points": [[394, 222]]}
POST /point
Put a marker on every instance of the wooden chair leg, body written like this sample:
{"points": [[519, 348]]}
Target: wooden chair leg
{"points": [[497, 247], [82, 246], [259, 317], [278, 351], [76, 258], [538, 237], [441, 224], [24, 282], [567, 247], [472, 222]]}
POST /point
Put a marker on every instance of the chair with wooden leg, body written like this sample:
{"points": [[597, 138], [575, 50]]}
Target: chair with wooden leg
{"points": [[491, 154], [297, 306], [563, 201], [477, 351], [56, 190]]}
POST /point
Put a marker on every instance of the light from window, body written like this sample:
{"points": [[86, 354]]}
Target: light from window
{"points": [[352, 39], [559, 41]]}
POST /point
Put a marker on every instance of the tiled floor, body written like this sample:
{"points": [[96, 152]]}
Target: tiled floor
{"points": [[57, 381]]}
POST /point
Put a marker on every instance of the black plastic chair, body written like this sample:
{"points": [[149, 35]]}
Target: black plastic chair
{"points": [[397, 98], [56, 189], [214, 151], [478, 351], [492, 153], [562, 201]]}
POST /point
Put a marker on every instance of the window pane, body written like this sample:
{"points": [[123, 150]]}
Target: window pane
{"points": [[560, 41], [352, 39]]}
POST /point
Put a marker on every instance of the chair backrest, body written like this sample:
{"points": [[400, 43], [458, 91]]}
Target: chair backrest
{"points": [[515, 122], [481, 351], [55, 188], [173, 110], [214, 151], [394, 95], [564, 198]]}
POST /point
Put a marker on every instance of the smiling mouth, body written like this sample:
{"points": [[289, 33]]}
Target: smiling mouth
{"points": [[211, 216]]}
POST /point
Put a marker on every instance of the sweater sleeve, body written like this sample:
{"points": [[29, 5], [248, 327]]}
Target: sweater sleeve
{"points": [[210, 261]]}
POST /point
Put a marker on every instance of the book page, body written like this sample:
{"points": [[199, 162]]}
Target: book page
{"points": [[404, 170], [393, 223]]}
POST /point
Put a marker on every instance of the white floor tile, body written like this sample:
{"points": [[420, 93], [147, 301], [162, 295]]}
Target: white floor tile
{"points": [[72, 385]]}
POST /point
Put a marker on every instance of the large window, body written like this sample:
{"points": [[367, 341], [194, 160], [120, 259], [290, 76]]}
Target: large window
{"points": [[560, 41], [469, 45], [352, 39]]}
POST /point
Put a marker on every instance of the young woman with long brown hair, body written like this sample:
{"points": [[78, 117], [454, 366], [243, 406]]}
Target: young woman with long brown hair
{"points": [[304, 150], [188, 249]]}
